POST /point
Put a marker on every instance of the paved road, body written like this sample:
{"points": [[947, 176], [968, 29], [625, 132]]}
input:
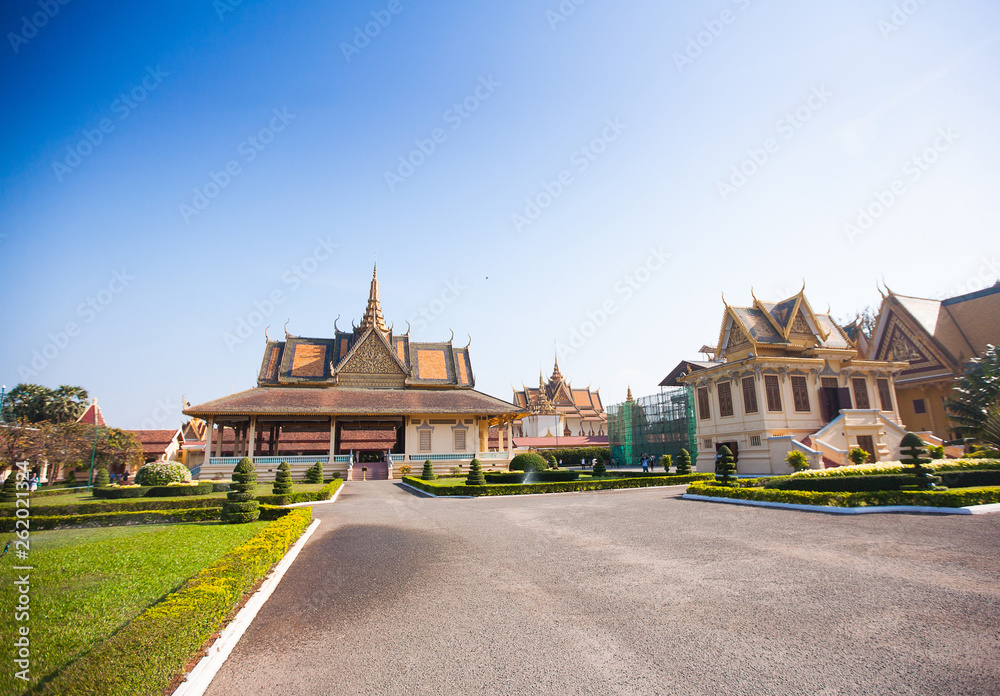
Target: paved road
{"points": [[625, 592]]}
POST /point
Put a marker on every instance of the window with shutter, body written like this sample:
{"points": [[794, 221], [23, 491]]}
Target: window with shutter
{"points": [[725, 399], [749, 395], [800, 394], [773, 392]]}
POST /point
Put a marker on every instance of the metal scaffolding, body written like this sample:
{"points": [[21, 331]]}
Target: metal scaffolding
{"points": [[656, 425]]}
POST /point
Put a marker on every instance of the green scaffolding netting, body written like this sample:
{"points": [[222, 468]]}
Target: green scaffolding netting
{"points": [[655, 425]]}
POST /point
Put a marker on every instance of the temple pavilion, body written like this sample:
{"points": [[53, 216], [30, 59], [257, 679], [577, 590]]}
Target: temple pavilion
{"points": [[364, 403], [559, 415]]}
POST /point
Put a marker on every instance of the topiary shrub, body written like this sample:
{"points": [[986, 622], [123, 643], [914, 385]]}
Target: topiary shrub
{"points": [[857, 456], [529, 461], [553, 464], [475, 477], [936, 452], [70, 477], [665, 462], [314, 474], [282, 480], [102, 479], [683, 462], [726, 466], [161, 474], [240, 505], [599, 468], [911, 447], [428, 472], [9, 492], [796, 459]]}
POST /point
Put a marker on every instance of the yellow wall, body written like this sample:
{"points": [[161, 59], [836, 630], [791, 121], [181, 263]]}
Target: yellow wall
{"points": [[936, 419]]}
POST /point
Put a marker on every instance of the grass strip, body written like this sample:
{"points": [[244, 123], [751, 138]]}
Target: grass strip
{"points": [[144, 657]]}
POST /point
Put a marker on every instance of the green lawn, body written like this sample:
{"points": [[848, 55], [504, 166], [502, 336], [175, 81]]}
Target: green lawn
{"points": [[88, 583]]}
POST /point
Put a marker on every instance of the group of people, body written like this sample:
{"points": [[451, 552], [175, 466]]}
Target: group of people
{"points": [[648, 462]]}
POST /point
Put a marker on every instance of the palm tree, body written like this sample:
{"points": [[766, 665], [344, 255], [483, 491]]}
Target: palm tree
{"points": [[67, 404], [975, 392]]}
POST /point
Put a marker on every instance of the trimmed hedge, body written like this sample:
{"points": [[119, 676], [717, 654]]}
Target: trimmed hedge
{"points": [[954, 498], [938, 466], [145, 656], [115, 519], [325, 493], [842, 484], [59, 490], [554, 487], [203, 488], [965, 479], [141, 505]]}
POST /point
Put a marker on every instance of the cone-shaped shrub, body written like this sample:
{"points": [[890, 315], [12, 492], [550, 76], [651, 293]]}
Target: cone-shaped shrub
{"points": [[428, 472], [683, 462], [665, 462], [553, 464], [9, 492], [911, 447], [282, 480], [475, 477], [726, 466], [240, 505], [101, 478], [315, 473], [599, 468]]}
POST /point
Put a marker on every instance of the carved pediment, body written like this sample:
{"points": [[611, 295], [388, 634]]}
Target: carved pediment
{"points": [[900, 343], [371, 357]]}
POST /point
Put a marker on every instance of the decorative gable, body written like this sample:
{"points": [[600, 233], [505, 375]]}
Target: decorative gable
{"points": [[371, 363], [899, 342]]}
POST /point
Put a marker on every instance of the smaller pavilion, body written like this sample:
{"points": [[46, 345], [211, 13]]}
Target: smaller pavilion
{"points": [[559, 415]]}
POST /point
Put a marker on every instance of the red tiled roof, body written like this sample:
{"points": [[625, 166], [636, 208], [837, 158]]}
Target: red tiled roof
{"points": [[155, 442], [88, 416], [341, 400]]}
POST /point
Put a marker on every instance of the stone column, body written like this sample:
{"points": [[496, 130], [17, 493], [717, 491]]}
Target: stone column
{"points": [[251, 436], [221, 440], [333, 439], [209, 433]]}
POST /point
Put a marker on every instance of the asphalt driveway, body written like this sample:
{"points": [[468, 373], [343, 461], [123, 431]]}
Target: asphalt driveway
{"points": [[624, 592]]}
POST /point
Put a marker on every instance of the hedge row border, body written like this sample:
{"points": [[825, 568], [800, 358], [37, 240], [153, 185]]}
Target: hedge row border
{"points": [[173, 630], [498, 489], [324, 493], [910, 500], [39, 523]]}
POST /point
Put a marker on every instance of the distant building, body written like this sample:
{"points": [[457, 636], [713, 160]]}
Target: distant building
{"points": [[159, 445], [368, 396], [559, 415], [788, 378], [937, 338], [655, 425]]}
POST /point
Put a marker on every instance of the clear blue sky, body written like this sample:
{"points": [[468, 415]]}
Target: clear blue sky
{"points": [[565, 155]]}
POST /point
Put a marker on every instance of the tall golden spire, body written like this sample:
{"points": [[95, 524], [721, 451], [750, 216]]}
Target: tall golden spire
{"points": [[629, 397], [373, 312], [556, 377]]}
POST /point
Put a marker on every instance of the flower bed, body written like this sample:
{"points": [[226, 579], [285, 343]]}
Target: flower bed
{"points": [[875, 468]]}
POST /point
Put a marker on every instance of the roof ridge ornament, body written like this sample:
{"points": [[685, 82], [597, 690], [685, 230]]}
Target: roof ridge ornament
{"points": [[267, 339], [373, 311], [335, 329]]}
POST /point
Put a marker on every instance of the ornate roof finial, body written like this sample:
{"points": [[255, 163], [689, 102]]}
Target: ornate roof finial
{"points": [[266, 337], [556, 374], [335, 329], [629, 397], [373, 312]]}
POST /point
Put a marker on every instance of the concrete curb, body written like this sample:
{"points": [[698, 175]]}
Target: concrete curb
{"points": [[524, 495], [198, 679], [874, 509]]}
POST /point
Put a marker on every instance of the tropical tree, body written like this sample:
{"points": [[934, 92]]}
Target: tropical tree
{"points": [[975, 392], [34, 403]]}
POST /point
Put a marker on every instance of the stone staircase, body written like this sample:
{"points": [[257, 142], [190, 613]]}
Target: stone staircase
{"points": [[377, 471]]}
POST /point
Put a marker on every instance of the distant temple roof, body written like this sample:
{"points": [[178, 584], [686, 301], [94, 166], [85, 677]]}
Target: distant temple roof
{"points": [[368, 371], [936, 337], [368, 356], [89, 415], [558, 395]]}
